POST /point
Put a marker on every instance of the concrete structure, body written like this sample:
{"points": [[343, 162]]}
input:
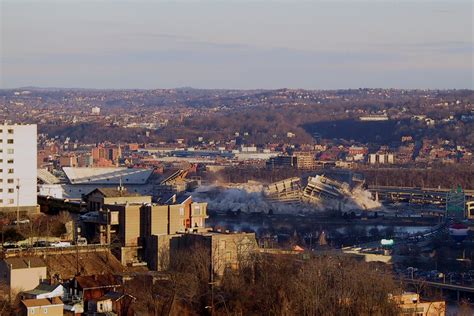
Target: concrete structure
{"points": [[410, 304], [287, 191], [114, 176], [18, 168], [43, 306], [82, 181], [22, 274], [225, 250], [140, 227]]}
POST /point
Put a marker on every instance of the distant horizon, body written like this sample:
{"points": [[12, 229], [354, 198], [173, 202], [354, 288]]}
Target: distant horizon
{"points": [[216, 44], [233, 89]]}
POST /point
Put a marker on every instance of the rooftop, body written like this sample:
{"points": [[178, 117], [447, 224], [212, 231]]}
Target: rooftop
{"points": [[113, 192], [25, 262], [97, 281], [42, 302], [43, 288], [107, 175], [47, 177]]}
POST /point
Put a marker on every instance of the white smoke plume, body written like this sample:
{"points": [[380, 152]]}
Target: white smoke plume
{"points": [[249, 197]]}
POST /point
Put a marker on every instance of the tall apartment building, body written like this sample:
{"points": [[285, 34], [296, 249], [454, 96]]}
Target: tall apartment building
{"points": [[18, 168]]}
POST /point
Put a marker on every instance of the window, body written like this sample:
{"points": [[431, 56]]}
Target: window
{"points": [[10, 190], [11, 170], [1, 201], [9, 160], [11, 201], [181, 211], [10, 131], [45, 310], [9, 180], [1, 190], [1, 170], [10, 141], [32, 310], [1, 160], [10, 151]]}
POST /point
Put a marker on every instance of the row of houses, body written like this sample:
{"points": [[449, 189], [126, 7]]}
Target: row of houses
{"points": [[27, 279]]}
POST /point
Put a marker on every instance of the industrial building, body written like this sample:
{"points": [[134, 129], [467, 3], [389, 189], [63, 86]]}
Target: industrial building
{"points": [[18, 168]]}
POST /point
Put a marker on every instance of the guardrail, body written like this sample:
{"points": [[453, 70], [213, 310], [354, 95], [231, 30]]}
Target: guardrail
{"points": [[40, 251]]}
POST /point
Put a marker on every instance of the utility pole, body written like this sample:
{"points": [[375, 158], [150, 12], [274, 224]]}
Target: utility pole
{"points": [[78, 230]]}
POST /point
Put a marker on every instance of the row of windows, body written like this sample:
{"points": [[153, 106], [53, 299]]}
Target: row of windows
{"points": [[10, 201], [10, 190], [10, 130], [8, 181], [10, 151], [9, 141], [8, 161], [11, 170]]}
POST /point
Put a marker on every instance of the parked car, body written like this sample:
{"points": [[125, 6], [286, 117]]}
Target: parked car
{"points": [[41, 243], [81, 241], [60, 244], [21, 221], [89, 216]]}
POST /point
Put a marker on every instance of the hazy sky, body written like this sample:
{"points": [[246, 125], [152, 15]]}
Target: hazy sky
{"points": [[237, 44]]}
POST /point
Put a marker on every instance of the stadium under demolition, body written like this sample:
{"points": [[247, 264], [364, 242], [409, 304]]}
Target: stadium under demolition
{"points": [[318, 192]]}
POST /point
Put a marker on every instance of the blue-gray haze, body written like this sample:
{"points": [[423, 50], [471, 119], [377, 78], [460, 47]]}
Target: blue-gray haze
{"points": [[237, 44]]}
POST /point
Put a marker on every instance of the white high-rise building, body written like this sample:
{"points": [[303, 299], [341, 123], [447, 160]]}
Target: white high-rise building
{"points": [[18, 167]]}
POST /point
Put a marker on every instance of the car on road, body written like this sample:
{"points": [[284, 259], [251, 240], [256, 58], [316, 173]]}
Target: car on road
{"points": [[21, 221]]}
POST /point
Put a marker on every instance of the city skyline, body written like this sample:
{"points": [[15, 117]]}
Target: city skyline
{"points": [[250, 45]]}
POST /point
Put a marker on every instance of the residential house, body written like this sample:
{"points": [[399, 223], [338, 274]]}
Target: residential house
{"points": [[22, 274], [43, 306], [44, 290]]}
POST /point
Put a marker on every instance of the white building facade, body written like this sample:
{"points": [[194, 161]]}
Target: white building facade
{"points": [[18, 167]]}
